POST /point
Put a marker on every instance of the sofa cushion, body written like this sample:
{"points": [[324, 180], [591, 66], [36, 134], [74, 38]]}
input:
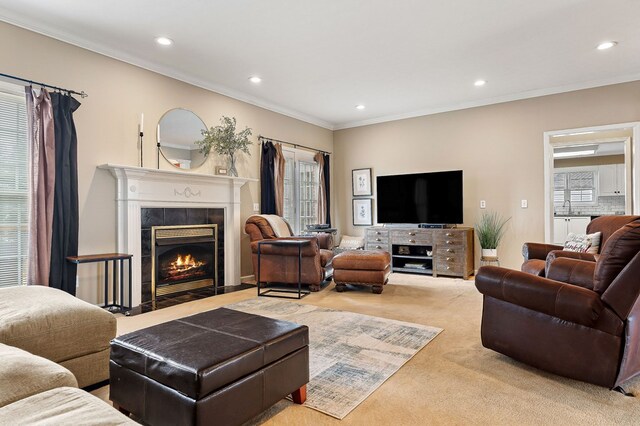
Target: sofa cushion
{"points": [[62, 406], [53, 324], [617, 252], [23, 374], [583, 243]]}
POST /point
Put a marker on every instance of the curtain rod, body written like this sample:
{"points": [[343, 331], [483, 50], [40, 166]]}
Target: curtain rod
{"points": [[295, 145], [82, 94]]}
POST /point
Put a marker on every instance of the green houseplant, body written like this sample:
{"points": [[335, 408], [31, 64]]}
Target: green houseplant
{"points": [[490, 230], [224, 140]]}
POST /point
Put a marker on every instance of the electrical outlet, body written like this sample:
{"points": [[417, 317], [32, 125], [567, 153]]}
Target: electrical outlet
{"points": [[256, 207], [524, 204], [483, 204]]}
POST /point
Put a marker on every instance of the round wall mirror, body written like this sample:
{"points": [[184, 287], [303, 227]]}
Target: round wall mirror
{"points": [[177, 132]]}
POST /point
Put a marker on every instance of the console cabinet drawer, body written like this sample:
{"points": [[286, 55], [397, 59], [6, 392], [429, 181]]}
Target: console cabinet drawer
{"points": [[377, 246], [408, 237], [450, 239]]}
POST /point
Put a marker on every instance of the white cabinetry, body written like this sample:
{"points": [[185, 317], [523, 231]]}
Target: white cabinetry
{"points": [[562, 226], [611, 179]]}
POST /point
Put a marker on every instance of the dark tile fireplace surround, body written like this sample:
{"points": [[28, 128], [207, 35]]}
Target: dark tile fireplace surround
{"points": [[173, 217]]}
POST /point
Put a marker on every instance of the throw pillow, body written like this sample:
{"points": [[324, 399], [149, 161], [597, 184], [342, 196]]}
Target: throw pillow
{"points": [[351, 243], [583, 243]]}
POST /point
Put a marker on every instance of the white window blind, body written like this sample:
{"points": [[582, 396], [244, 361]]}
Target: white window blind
{"points": [[301, 185], [14, 204], [308, 200], [579, 187]]}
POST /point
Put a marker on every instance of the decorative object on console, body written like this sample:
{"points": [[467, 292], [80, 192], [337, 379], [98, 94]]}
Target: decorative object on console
{"points": [[177, 134], [362, 212], [361, 182], [222, 171], [224, 140], [490, 230]]}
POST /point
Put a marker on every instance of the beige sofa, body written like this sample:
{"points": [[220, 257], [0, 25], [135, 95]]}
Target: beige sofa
{"points": [[59, 327], [37, 391]]}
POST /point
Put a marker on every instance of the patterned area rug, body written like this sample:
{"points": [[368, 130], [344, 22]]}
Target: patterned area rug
{"points": [[351, 355]]}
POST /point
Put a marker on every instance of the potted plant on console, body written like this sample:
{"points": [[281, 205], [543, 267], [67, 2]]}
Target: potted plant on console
{"points": [[490, 230], [224, 140]]}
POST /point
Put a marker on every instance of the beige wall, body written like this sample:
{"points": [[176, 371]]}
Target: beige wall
{"points": [[499, 148], [107, 127]]}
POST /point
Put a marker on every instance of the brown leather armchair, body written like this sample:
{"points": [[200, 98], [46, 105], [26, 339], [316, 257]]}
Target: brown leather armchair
{"points": [[535, 255], [582, 321], [280, 264]]}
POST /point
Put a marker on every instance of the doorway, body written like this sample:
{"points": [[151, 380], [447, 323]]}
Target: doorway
{"points": [[589, 172]]}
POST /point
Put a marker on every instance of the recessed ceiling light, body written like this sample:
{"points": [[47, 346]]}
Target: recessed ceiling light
{"points": [[607, 45], [360, 106], [255, 79], [574, 153], [164, 41], [479, 83]]}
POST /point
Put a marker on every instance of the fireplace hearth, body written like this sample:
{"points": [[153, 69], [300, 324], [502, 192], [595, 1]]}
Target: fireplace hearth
{"points": [[183, 258]]}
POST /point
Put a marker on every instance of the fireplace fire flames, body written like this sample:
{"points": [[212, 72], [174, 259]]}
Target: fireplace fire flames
{"points": [[184, 258], [184, 266]]}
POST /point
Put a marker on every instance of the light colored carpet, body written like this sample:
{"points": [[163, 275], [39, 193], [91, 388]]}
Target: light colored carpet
{"points": [[454, 381], [350, 355]]}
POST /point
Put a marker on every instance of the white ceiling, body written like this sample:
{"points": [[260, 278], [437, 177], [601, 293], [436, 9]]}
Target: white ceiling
{"points": [[319, 59]]}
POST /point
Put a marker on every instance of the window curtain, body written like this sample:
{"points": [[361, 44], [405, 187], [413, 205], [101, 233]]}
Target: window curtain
{"points": [[324, 215], [267, 179], [42, 169], [326, 179], [65, 210], [278, 173]]}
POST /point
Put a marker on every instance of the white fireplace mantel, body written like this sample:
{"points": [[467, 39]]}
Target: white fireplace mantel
{"points": [[139, 187]]}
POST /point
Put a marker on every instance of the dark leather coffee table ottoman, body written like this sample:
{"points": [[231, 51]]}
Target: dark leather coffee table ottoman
{"points": [[362, 267], [220, 367]]}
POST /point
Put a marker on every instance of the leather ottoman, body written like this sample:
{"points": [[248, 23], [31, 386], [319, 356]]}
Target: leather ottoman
{"points": [[362, 267], [217, 367]]}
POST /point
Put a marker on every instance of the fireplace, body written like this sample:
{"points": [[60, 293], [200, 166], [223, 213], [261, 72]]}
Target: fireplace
{"points": [[148, 197], [183, 257]]}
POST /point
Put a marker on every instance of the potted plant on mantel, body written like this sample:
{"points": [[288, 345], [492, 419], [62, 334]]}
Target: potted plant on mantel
{"points": [[224, 140], [490, 230]]}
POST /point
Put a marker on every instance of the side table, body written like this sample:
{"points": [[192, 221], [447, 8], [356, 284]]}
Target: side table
{"points": [[300, 243], [106, 258]]}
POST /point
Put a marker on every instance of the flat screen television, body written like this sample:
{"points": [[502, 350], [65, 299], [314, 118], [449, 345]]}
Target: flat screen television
{"points": [[420, 198]]}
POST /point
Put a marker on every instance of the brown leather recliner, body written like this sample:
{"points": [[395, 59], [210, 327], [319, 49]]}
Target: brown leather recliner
{"points": [[582, 321], [280, 264], [535, 255]]}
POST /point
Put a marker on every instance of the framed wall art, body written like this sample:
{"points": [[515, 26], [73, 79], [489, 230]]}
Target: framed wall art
{"points": [[362, 215], [361, 182]]}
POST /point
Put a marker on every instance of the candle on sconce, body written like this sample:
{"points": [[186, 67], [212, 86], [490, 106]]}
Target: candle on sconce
{"points": [[142, 123], [158, 133]]}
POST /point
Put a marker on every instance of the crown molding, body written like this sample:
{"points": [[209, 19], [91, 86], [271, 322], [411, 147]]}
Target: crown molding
{"points": [[492, 101], [261, 103], [162, 70]]}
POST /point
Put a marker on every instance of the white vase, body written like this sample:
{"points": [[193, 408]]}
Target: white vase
{"points": [[489, 252]]}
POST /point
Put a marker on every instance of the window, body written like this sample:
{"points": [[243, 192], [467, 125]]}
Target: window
{"points": [[577, 186], [301, 185], [14, 186]]}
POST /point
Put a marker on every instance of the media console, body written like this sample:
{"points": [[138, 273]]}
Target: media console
{"points": [[434, 252]]}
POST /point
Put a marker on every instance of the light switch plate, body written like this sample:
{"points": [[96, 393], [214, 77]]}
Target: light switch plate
{"points": [[256, 207], [483, 204], [524, 204]]}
